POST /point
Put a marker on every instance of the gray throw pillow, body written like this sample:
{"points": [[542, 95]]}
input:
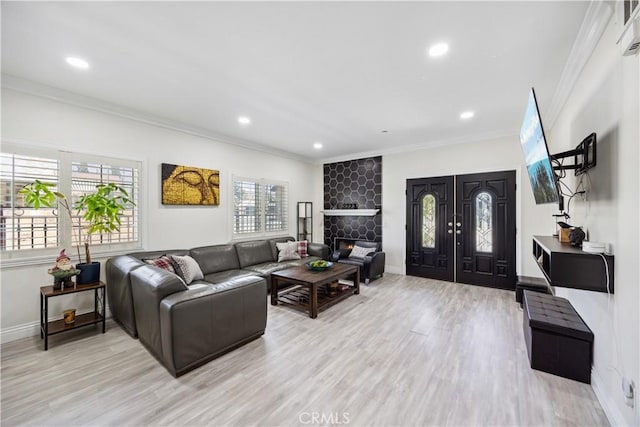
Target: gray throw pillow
{"points": [[188, 267]]}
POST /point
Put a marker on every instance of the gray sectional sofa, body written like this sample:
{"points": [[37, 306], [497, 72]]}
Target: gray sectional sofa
{"points": [[184, 326]]}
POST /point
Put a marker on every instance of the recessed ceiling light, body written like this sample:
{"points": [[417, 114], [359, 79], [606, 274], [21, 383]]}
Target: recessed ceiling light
{"points": [[317, 145], [438, 49], [77, 62], [244, 120], [467, 115]]}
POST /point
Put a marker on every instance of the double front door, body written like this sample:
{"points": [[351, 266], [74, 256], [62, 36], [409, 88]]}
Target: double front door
{"points": [[462, 228]]}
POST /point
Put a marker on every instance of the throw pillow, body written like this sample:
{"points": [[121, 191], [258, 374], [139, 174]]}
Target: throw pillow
{"points": [[302, 248], [360, 252], [163, 262], [287, 251], [189, 267]]}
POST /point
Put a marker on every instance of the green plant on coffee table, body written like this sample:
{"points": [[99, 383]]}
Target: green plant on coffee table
{"points": [[101, 209]]}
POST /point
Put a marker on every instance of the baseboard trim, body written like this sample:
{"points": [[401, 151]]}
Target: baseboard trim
{"points": [[610, 409], [393, 269], [32, 329]]}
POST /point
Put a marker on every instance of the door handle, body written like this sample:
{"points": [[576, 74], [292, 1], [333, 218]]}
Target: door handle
{"points": [[450, 231], [450, 224], [458, 224], [458, 231]]}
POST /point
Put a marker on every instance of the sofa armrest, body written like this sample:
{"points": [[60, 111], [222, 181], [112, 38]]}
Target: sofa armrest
{"points": [[199, 324], [375, 258], [318, 249], [117, 274], [149, 286]]}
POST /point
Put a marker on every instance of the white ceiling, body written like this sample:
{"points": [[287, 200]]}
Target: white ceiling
{"points": [[335, 72]]}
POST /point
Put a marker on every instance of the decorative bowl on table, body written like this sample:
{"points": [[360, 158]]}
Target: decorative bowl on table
{"points": [[318, 265]]}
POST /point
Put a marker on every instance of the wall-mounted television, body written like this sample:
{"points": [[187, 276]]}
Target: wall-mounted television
{"points": [[536, 153]]}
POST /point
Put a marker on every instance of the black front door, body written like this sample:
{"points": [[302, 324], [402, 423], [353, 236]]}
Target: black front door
{"points": [[462, 228], [486, 236], [430, 243]]}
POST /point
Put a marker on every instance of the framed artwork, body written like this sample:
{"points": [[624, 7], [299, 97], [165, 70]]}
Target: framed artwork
{"points": [[188, 185]]}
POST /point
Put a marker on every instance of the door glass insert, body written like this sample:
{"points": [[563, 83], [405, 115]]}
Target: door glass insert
{"points": [[484, 230], [429, 221]]}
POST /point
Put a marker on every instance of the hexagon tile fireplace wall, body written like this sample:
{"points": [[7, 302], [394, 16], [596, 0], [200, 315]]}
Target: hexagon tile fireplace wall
{"points": [[349, 183]]}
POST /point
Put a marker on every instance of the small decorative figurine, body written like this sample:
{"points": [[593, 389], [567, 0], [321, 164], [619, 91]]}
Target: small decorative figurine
{"points": [[63, 271]]}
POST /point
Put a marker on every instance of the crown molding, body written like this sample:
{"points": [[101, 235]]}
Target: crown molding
{"points": [[422, 146], [49, 92], [593, 26]]}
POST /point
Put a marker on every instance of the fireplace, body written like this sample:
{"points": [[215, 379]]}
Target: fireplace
{"points": [[342, 243]]}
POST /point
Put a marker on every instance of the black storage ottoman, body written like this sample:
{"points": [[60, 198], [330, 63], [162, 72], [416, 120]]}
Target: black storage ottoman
{"points": [[558, 341], [533, 284]]}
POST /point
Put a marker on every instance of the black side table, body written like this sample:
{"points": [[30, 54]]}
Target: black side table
{"points": [[58, 326]]}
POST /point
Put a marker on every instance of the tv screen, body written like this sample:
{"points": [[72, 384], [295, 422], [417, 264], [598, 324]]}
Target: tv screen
{"points": [[536, 154]]}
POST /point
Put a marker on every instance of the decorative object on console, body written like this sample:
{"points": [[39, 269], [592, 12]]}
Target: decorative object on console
{"points": [[347, 206], [101, 210], [576, 237], [187, 185], [69, 316], [63, 271]]}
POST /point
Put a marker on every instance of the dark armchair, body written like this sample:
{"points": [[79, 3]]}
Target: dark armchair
{"points": [[371, 263]]}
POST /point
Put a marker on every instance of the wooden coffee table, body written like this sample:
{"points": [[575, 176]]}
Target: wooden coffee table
{"points": [[308, 289]]}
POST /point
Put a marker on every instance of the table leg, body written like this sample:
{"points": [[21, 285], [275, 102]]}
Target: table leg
{"points": [[313, 301], [46, 323], [274, 291], [41, 314], [104, 320], [357, 282]]}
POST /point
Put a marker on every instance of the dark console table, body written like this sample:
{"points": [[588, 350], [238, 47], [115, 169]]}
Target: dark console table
{"points": [[57, 326], [568, 267]]}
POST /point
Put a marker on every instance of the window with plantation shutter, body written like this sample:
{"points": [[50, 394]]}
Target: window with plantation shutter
{"points": [[84, 178], [23, 227], [259, 207], [44, 231]]}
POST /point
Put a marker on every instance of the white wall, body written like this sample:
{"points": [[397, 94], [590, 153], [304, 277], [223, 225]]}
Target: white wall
{"points": [[481, 156], [44, 122], [606, 100]]}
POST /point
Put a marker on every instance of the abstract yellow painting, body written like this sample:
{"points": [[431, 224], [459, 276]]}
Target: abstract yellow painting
{"points": [[187, 185]]}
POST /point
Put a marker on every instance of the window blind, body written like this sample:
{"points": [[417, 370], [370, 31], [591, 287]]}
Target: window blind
{"points": [[23, 227]]}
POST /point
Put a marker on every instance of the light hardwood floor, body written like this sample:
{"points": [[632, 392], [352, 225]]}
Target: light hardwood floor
{"points": [[406, 351]]}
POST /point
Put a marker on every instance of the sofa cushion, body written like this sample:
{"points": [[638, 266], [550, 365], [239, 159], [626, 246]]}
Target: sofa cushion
{"points": [[287, 251], [255, 252], [188, 267], [223, 276], [212, 259], [265, 269]]}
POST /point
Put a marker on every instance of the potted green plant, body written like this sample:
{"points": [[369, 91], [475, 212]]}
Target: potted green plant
{"points": [[101, 210]]}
